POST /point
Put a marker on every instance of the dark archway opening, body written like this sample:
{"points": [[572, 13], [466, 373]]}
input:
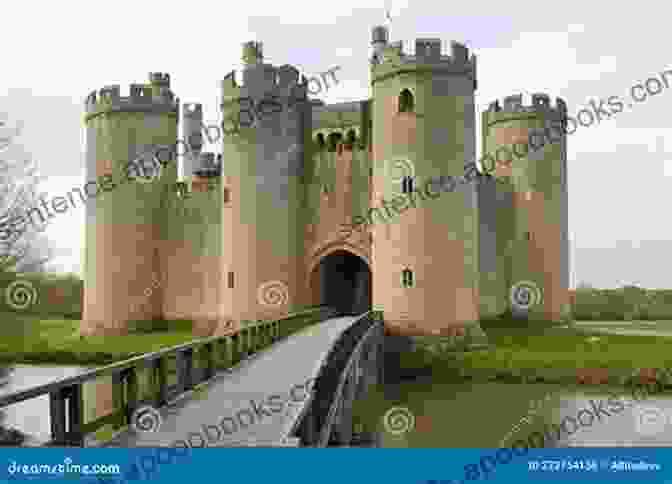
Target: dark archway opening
{"points": [[345, 282]]}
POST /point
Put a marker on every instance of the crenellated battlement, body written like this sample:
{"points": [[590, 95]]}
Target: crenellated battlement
{"points": [[260, 80], [207, 166], [537, 102], [142, 97], [253, 53], [390, 58], [429, 51], [193, 110], [159, 79]]}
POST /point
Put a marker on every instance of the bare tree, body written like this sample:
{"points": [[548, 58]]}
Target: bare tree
{"points": [[27, 249]]}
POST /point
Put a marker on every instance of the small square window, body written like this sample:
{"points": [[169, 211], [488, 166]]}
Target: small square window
{"points": [[407, 278]]}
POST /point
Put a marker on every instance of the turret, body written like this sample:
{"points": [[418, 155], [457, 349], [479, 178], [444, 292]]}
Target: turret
{"points": [[124, 223], [425, 260], [428, 57], [380, 36], [261, 225], [527, 140], [252, 53]]}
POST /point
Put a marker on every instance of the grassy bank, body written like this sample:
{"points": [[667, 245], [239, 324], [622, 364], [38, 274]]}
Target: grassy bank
{"points": [[549, 354], [624, 304], [27, 339]]}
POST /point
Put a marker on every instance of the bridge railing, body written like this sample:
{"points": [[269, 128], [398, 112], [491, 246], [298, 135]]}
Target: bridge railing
{"points": [[315, 424], [194, 363]]}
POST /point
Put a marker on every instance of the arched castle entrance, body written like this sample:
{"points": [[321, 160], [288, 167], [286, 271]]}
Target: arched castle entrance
{"points": [[342, 280]]}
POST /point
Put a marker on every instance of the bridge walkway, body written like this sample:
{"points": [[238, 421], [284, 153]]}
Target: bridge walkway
{"points": [[257, 401]]}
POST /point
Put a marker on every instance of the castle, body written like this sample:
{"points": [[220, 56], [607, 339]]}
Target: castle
{"points": [[260, 233]]}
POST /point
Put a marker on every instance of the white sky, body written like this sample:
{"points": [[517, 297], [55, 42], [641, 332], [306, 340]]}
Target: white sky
{"points": [[620, 171]]}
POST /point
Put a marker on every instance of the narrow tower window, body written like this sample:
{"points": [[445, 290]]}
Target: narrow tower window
{"points": [[407, 184], [406, 104], [407, 278], [320, 141], [333, 140], [230, 281], [227, 195], [351, 138]]}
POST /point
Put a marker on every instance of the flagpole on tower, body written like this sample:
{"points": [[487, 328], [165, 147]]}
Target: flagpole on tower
{"points": [[388, 16]]}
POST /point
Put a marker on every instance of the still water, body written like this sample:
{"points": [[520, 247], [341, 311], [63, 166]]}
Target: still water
{"points": [[31, 416], [444, 414], [492, 414]]}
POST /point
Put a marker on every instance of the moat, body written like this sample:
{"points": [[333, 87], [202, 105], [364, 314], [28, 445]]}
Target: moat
{"points": [[486, 414], [446, 414]]}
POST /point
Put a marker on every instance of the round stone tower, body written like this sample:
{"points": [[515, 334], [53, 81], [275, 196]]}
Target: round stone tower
{"points": [[530, 142], [265, 122], [425, 255], [122, 274]]}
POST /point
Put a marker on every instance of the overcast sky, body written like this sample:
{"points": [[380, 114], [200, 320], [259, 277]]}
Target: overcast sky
{"points": [[620, 170]]}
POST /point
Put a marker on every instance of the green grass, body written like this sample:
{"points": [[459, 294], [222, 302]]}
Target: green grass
{"points": [[29, 339], [26, 339], [551, 353], [624, 304], [569, 348]]}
